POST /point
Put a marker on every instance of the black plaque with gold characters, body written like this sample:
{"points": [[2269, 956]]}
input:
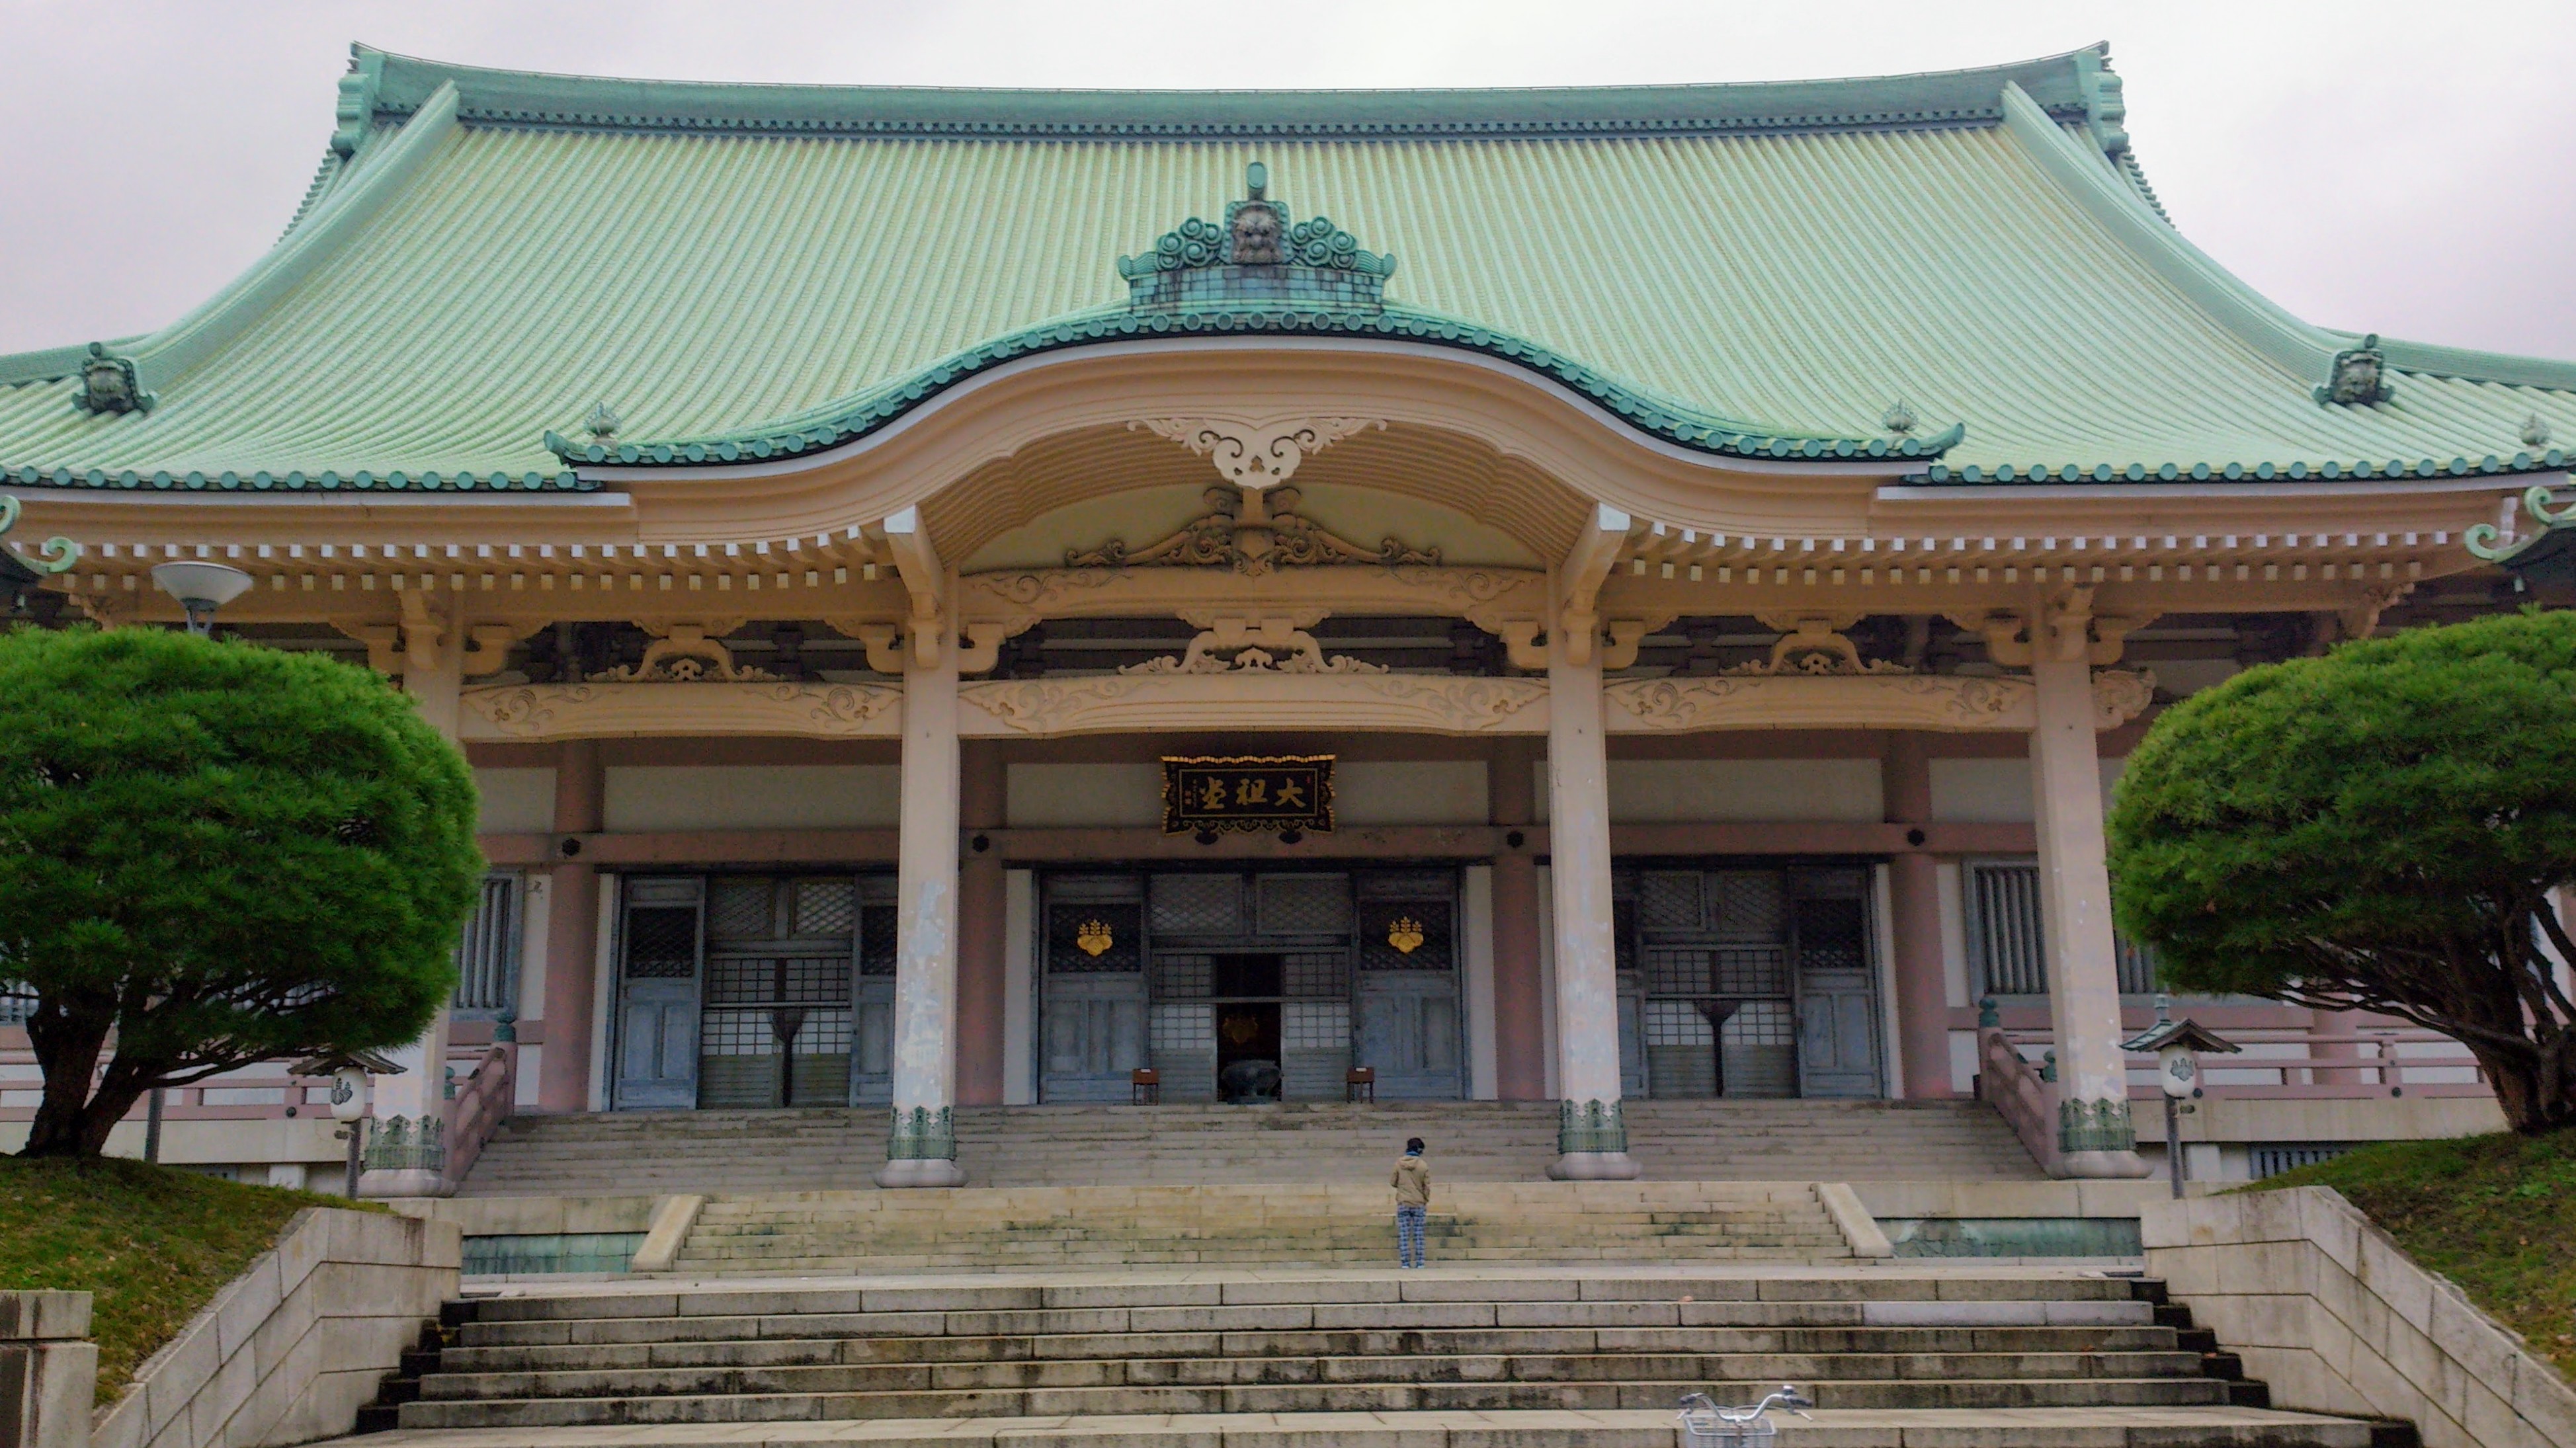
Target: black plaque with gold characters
{"points": [[1247, 793]]}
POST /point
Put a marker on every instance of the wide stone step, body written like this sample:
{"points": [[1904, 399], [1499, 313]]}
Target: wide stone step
{"points": [[751, 1352], [1228, 1371], [2126, 1427], [1299, 1142], [1296, 1398]]}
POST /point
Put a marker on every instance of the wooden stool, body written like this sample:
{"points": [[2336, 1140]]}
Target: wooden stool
{"points": [[1145, 1087], [1360, 1084]]}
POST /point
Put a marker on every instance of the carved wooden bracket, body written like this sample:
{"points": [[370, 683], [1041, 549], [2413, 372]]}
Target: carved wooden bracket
{"points": [[2069, 630], [923, 578], [1255, 644], [686, 653], [383, 641], [1256, 454], [1579, 582]]}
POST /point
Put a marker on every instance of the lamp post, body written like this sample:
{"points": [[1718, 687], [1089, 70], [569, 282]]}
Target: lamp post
{"points": [[2177, 1046], [352, 1096], [201, 588]]}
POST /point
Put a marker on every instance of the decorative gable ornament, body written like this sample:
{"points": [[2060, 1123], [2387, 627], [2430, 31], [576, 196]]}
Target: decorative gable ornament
{"points": [[1256, 255], [2358, 377], [109, 386]]}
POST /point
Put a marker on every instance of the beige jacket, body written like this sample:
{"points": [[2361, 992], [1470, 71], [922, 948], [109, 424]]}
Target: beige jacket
{"points": [[1412, 1183]]}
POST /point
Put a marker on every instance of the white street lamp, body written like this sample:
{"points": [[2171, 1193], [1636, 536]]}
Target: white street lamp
{"points": [[201, 588], [2177, 1046]]}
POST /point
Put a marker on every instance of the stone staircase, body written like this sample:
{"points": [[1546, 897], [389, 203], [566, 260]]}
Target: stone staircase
{"points": [[1444, 1358], [634, 1153], [1023, 1228]]}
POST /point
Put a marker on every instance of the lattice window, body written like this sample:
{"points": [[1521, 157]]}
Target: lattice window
{"points": [[736, 1033], [1316, 975], [1750, 970], [819, 980], [1305, 905], [1198, 905], [1761, 1023], [741, 909], [825, 1033], [1832, 935], [2005, 943], [1678, 971], [661, 942], [1669, 900], [1315, 1026], [1623, 932], [1181, 976], [1095, 936], [487, 956], [2138, 966], [876, 939], [1678, 1023], [1387, 926], [740, 980], [826, 907], [1750, 903], [1183, 1028]]}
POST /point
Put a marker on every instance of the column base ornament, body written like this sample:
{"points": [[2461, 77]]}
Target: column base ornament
{"points": [[921, 1151], [2095, 1126], [1592, 1144]]}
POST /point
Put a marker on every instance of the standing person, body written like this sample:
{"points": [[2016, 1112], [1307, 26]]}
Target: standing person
{"points": [[1412, 1203]]}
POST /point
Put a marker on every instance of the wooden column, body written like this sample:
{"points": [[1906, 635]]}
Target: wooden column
{"points": [[982, 901], [922, 1149], [2094, 1129], [572, 937], [1914, 899], [1520, 1036], [1592, 1136]]}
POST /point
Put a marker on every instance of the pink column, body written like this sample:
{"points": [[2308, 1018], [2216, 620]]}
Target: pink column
{"points": [[572, 937], [1914, 894], [981, 904], [1520, 1043]]}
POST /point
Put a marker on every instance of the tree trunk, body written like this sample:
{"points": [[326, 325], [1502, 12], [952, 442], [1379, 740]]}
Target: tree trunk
{"points": [[67, 1047], [2536, 1089]]}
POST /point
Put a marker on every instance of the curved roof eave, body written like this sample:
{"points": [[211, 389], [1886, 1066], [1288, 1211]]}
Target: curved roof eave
{"points": [[845, 421]]}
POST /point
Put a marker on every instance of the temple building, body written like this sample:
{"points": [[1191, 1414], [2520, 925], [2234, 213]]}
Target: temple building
{"points": [[977, 599]]}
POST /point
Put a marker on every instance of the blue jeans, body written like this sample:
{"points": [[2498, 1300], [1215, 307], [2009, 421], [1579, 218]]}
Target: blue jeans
{"points": [[1409, 1223]]}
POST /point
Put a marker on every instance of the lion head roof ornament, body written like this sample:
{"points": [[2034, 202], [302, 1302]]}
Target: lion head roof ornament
{"points": [[1256, 255]]}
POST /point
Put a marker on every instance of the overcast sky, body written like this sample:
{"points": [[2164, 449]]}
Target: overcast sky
{"points": [[2397, 167]]}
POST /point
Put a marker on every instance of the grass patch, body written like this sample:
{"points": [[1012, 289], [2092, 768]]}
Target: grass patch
{"points": [[2495, 1214], [154, 1245]]}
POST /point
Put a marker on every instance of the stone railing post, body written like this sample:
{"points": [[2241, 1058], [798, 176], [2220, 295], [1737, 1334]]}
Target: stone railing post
{"points": [[48, 1369]]}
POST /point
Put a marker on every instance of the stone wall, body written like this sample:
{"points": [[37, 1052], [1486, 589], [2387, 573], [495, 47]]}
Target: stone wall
{"points": [[288, 1350], [2331, 1312], [48, 1369]]}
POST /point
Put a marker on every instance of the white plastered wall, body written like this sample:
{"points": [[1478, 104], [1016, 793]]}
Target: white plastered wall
{"points": [[537, 907], [1701, 791], [515, 801], [749, 797]]}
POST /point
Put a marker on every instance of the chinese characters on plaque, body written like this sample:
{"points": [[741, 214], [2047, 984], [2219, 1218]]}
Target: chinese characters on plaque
{"points": [[1247, 793]]}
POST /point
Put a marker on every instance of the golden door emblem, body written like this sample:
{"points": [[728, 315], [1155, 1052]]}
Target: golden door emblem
{"points": [[1405, 934], [1094, 937]]}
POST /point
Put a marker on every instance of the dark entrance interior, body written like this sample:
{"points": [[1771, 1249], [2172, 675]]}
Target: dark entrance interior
{"points": [[1247, 990]]}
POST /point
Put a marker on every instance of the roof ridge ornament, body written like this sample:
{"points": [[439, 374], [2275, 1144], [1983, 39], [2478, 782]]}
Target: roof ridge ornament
{"points": [[1257, 253], [2535, 432], [109, 385], [1900, 419], [2358, 376], [602, 421]]}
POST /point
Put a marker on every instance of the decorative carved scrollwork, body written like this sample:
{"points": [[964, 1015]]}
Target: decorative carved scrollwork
{"points": [[1255, 645], [1253, 532], [1815, 644], [686, 656], [1256, 454]]}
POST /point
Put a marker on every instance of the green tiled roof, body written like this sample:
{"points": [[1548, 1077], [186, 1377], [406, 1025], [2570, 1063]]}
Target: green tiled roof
{"points": [[751, 271]]}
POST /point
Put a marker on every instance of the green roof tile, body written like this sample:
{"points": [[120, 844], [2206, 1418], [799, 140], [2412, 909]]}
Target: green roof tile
{"points": [[751, 271]]}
